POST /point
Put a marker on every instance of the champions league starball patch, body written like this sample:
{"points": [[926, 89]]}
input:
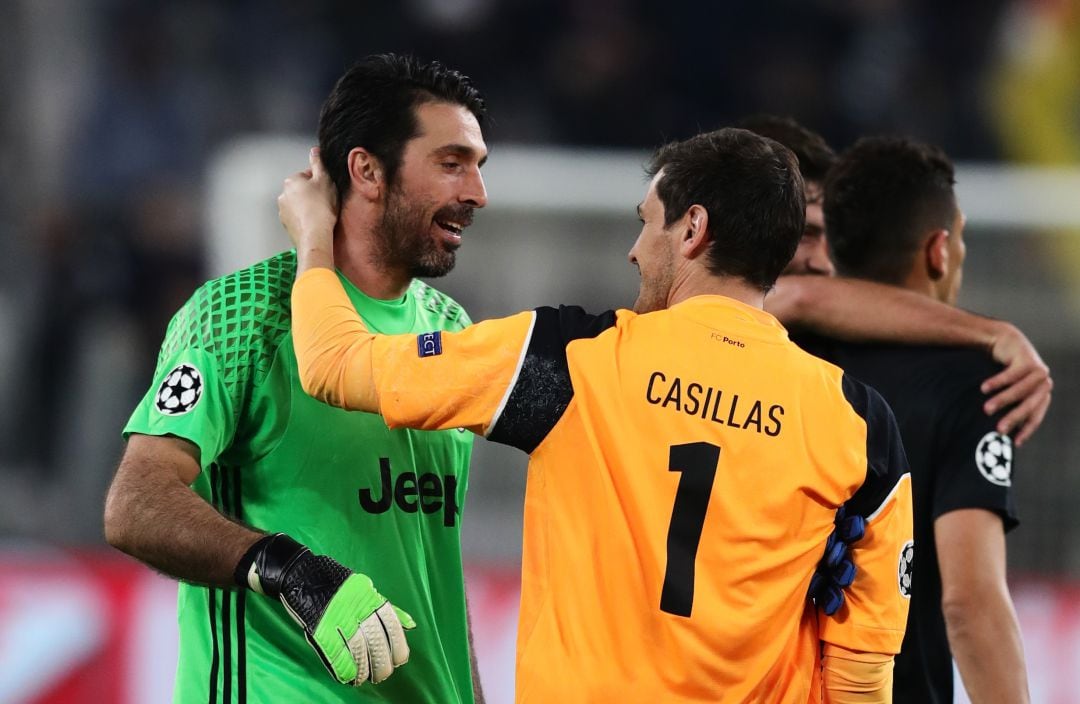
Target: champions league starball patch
{"points": [[905, 568], [180, 392], [993, 457]]}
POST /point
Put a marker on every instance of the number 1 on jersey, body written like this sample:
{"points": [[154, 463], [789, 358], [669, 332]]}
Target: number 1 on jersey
{"points": [[697, 461]]}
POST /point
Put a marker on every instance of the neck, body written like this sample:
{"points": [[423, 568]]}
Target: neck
{"points": [[919, 281], [698, 281], [357, 255]]}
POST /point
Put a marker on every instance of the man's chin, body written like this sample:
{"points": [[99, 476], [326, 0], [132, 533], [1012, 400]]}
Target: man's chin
{"points": [[645, 304], [433, 267]]}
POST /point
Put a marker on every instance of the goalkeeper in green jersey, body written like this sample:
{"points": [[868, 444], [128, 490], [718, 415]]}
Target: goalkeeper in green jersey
{"points": [[310, 539]]}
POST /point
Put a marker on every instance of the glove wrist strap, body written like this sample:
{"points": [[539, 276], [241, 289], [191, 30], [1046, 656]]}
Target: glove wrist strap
{"points": [[263, 567]]}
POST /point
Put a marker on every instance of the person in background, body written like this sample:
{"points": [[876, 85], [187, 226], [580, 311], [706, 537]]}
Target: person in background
{"points": [[809, 297], [893, 218]]}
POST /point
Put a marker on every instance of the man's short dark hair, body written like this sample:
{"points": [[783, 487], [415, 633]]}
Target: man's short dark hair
{"points": [[881, 199], [815, 155], [374, 106], [751, 188]]}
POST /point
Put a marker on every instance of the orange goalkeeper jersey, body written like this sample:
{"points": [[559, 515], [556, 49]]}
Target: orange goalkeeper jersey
{"points": [[686, 466]]}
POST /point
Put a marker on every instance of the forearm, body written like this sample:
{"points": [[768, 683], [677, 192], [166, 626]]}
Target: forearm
{"points": [[160, 521], [852, 677], [857, 310], [984, 637], [333, 347]]}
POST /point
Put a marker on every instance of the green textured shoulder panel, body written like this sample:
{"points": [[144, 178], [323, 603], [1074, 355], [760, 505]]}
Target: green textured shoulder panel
{"points": [[239, 318], [439, 303]]}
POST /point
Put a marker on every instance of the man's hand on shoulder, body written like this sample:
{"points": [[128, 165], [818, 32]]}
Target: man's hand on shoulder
{"points": [[1025, 381], [308, 208]]}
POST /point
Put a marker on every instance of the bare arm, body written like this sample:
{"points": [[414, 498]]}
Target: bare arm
{"points": [[856, 310], [152, 514], [984, 634]]}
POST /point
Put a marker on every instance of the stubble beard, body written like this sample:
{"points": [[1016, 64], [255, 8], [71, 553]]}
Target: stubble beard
{"points": [[405, 242], [653, 294]]}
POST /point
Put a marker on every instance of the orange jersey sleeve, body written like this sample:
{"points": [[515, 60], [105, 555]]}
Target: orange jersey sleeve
{"points": [[450, 380], [856, 678], [496, 378], [874, 615], [428, 381], [333, 347]]}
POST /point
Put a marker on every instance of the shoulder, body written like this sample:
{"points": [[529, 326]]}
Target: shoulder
{"points": [[435, 301], [865, 400], [907, 371], [943, 376], [553, 329], [247, 309], [961, 365]]}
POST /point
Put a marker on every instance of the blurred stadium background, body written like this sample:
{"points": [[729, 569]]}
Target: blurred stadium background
{"points": [[142, 143]]}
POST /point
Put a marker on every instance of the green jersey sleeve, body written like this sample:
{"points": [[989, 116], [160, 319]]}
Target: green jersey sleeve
{"points": [[216, 347]]}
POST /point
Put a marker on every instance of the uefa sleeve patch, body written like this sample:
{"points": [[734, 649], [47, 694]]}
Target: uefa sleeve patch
{"points": [[429, 344], [180, 391], [993, 457]]}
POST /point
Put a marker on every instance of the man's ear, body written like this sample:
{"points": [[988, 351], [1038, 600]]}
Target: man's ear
{"points": [[936, 252], [695, 232], [366, 175]]}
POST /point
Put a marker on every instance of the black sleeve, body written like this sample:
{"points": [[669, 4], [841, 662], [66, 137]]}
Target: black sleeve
{"points": [[973, 462], [886, 461], [543, 390]]}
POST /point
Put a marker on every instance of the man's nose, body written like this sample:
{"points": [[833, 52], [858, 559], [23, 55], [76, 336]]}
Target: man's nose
{"points": [[475, 194], [818, 261]]}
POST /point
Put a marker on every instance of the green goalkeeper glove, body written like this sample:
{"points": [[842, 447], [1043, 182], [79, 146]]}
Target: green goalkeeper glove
{"points": [[357, 632]]}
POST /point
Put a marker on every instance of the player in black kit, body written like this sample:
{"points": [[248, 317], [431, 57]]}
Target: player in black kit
{"points": [[892, 217]]}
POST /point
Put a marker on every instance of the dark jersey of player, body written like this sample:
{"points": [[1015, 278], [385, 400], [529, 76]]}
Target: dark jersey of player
{"points": [[957, 461]]}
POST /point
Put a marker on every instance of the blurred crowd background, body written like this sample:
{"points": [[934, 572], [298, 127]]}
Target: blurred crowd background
{"points": [[113, 111]]}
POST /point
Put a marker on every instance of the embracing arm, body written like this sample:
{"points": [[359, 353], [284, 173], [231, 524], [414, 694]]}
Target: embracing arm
{"points": [[152, 514], [982, 626], [860, 311]]}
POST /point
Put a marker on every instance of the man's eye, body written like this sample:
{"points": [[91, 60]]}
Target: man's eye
{"points": [[450, 164]]}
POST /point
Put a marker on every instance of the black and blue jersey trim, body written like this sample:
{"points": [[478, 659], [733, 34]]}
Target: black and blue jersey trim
{"points": [[886, 461], [543, 389]]}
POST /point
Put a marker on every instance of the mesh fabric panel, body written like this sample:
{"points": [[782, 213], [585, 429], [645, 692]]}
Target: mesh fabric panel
{"points": [[240, 319]]}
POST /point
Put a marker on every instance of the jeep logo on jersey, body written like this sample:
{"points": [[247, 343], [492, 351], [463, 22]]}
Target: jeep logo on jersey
{"points": [[993, 457], [180, 392], [904, 569], [428, 493]]}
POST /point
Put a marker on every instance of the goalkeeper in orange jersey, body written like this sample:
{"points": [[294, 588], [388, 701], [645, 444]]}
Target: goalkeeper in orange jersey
{"points": [[687, 461]]}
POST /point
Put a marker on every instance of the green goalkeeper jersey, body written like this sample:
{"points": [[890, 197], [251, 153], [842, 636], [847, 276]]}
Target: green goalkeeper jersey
{"points": [[383, 502]]}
